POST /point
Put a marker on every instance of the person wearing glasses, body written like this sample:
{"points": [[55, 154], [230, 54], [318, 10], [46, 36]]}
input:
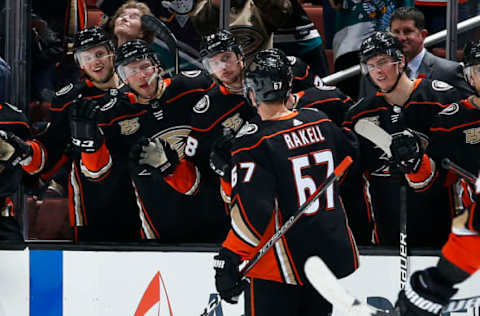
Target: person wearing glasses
{"points": [[408, 25], [404, 109]]}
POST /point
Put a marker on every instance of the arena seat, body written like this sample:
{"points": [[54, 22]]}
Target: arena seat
{"points": [[94, 16], [315, 13]]}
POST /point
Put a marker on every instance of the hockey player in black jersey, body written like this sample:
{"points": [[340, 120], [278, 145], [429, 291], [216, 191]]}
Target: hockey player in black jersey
{"points": [[455, 134], [405, 109], [278, 160], [95, 211], [15, 152], [145, 143], [224, 107]]}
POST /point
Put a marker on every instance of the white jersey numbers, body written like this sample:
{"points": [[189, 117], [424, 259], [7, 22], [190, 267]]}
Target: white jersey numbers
{"points": [[305, 185]]}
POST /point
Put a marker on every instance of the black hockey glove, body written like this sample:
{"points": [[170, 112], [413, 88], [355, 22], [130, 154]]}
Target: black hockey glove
{"points": [[156, 154], [13, 149], [86, 136], [220, 155], [228, 281], [425, 294], [406, 151]]}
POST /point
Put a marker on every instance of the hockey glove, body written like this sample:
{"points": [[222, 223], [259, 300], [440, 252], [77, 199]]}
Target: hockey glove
{"points": [[157, 154], [13, 149], [86, 136], [425, 294], [406, 151], [228, 280], [220, 155]]}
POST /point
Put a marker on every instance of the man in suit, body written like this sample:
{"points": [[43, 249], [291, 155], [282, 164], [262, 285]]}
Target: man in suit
{"points": [[408, 25]]}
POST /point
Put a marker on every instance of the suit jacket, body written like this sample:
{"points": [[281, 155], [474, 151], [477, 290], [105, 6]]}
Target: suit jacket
{"points": [[432, 67]]}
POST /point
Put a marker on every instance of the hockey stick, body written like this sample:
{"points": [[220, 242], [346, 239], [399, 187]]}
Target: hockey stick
{"points": [[467, 175], [383, 140], [163, 32], [375, 134], [325, 282], [337, 173]]}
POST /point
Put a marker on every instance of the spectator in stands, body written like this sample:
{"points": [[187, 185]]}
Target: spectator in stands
{"points": [[299, 37], [126, 24], [176, 16], [356, 20], [408, 25]]}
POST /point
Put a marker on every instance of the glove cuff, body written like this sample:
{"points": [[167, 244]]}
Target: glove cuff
{"points": [[234, 258]]}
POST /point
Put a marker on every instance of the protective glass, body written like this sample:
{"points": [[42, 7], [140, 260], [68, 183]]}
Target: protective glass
{"points": [[137, 70], [220, 61], [86, 57], [382, 64]]}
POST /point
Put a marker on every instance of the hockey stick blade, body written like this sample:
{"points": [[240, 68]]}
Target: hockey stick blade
{"points": [[325, 282], [337, 173], [163, 32], [375, 134]]}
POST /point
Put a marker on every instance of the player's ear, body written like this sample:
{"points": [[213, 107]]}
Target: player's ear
{"points": [[251, 96]]}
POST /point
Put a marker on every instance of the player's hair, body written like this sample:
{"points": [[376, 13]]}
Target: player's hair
{"points": [[132, 4], [409, 13]]}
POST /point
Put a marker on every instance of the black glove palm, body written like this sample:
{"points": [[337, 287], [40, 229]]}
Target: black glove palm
{"points": [[425, 294], [406, 151], [220, 155], [228, 280], [86, 136]]}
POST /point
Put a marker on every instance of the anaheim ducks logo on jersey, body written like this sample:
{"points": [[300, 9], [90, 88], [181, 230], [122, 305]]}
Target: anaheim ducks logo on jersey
{"points": [[472, 135], [64, 90], [440, 85], [450, 110], [191, 73], [247, 129], [176, 136], [202, 105], [130, 126], [234, 122]]}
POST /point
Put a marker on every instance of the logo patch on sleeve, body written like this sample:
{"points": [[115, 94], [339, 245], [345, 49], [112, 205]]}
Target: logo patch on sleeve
{"points": [[202, 105], [191, 73], [64, 90], [440, 85], [450, 110]]}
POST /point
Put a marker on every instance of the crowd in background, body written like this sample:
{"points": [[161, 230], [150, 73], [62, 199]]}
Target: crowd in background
{"points": [[256, 25]]}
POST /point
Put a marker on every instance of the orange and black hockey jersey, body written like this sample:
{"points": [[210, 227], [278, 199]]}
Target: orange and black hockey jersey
{"points": [[277, 164], [162, 203], [428, 215]]}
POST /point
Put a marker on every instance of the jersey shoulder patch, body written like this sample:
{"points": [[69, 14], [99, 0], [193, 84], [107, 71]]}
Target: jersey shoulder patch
{"points": [[191, 73], [247, 129], [202, 105], [450, 110], [292, 60], [66, 89], [438, 85]]}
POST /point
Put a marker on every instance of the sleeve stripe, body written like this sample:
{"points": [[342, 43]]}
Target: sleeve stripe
{"points": [[241, 228]]}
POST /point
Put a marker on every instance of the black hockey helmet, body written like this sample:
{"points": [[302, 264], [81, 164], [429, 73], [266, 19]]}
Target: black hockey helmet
{"points": [[471, 57], [219, 42], [90, 37], [380, 42], [269, 75], [132, 51], [471, 54]]}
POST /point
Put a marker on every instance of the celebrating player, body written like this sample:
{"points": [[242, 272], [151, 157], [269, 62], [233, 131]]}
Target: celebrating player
{"points": [[278, 160]]}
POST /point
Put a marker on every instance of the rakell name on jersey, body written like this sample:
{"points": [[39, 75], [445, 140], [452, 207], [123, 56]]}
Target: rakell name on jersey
{"points": [[303, 137]]}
